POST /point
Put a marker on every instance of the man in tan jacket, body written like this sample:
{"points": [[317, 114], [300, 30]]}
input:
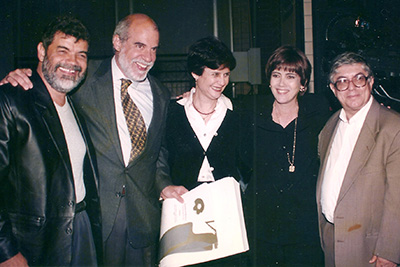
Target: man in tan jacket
{"points": [[358, 189]]}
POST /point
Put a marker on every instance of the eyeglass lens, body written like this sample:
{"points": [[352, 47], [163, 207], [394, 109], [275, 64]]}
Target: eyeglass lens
{"points": [[358, 81]]}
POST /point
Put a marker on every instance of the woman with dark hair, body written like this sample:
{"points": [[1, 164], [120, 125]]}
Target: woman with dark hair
{"points": [[202, 129], [280, 201], [201, 138]]}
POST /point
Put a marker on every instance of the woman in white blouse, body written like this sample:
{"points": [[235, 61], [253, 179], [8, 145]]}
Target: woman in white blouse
{"points": [[202, 128]]}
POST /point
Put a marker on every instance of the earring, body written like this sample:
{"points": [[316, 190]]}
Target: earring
{"points": [[302, 89]]}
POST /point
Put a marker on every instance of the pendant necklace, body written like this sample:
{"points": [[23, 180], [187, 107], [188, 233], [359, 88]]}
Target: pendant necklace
{"points": [[291, 162]]}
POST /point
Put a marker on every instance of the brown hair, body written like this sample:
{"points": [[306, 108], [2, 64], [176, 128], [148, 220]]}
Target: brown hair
{"points": [[290, 59]]}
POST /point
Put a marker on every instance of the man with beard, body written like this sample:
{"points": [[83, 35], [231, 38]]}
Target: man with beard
{"points": [[132, 164], [49, 208]]}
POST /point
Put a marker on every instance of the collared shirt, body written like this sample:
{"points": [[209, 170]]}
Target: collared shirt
{"points": [[141, 94], [76, 147], [339, 156], [206, 131]]}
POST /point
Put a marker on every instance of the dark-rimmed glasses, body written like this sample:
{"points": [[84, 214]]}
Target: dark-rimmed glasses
{"points": [[342, 84]]}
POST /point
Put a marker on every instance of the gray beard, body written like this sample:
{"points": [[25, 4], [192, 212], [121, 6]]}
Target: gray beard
{"points": [[125, 65], [63, 85]]}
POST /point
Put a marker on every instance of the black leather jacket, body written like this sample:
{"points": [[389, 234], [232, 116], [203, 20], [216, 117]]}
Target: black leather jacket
{"points": [[37, 197]]}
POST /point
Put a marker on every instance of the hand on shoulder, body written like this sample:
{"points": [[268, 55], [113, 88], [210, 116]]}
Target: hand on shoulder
{"points": [[19, 77]]}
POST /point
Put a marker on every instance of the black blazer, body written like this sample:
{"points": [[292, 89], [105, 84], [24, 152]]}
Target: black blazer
{"points": [[186, 154], [143, 178], [37, 196]]}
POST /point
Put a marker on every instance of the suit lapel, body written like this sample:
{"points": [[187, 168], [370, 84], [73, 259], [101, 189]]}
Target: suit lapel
{"points": [[49, 114], [326, 139], [104, 95], [362, 150], [157, 116], [158, 107], [324, 144]]}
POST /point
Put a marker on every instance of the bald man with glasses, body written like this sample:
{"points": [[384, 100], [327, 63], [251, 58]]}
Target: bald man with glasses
{"points": [[358, 188]]}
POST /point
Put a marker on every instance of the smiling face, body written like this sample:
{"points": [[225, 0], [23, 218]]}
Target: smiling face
{"points": [[64, 63], [211, 83], [136, 54], [285, 86], [354, 98]]}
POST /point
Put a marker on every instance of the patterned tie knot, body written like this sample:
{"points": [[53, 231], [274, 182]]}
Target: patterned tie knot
{"points": [[124, 87]]}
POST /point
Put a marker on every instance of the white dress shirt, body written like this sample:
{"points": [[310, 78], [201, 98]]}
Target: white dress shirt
{"points": [[142, 97], [206, 131], [339, 156], [76, 147]]}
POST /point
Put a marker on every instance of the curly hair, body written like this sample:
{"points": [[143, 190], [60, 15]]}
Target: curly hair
{"points": [[68, 25]]}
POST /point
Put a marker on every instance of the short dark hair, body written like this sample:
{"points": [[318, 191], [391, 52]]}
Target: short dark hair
{"points": [[290, 59], [348, 58], [209, 52], [66, 24]]}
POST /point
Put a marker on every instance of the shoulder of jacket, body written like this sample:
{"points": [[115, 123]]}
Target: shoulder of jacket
{"points": [[389, 118], [161, 89]]}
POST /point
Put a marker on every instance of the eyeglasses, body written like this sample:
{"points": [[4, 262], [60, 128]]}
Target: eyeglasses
{"points": [[342, 84]]}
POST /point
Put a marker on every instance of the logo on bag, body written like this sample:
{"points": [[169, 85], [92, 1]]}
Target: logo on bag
{"points": [[198, 205]]}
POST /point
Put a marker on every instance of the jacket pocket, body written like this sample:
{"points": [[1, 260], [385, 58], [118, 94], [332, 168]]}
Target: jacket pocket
{"points": [[30, 234], [26, 226]]}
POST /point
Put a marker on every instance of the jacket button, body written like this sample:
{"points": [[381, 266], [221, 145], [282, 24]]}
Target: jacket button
{"points": [[68, 231]]}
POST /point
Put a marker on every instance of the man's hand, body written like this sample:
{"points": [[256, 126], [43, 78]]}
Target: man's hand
{"points": [[381, 262], [184, 95], [16, 261], [174, 191], [19, 77]]}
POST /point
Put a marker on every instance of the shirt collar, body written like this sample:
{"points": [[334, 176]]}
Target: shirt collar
{"points": [[118, 75], [222, 100], [359, 116]]}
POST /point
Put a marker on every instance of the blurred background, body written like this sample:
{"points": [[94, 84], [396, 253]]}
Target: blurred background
{"points": [[251, 28]]}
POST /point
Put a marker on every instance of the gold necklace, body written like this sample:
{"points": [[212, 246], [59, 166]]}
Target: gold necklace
{"points": [[291, 162]]}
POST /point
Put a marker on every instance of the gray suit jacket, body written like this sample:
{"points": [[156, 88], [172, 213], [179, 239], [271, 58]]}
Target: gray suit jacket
{"points": [[367, 215], [145, 177]]}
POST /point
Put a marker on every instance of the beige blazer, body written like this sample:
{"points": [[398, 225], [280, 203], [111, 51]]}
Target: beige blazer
{"points": [[367, 215]]}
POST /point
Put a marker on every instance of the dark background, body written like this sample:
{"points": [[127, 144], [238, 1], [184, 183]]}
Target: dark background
{"points": [[376, 36], [264, 24]]}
